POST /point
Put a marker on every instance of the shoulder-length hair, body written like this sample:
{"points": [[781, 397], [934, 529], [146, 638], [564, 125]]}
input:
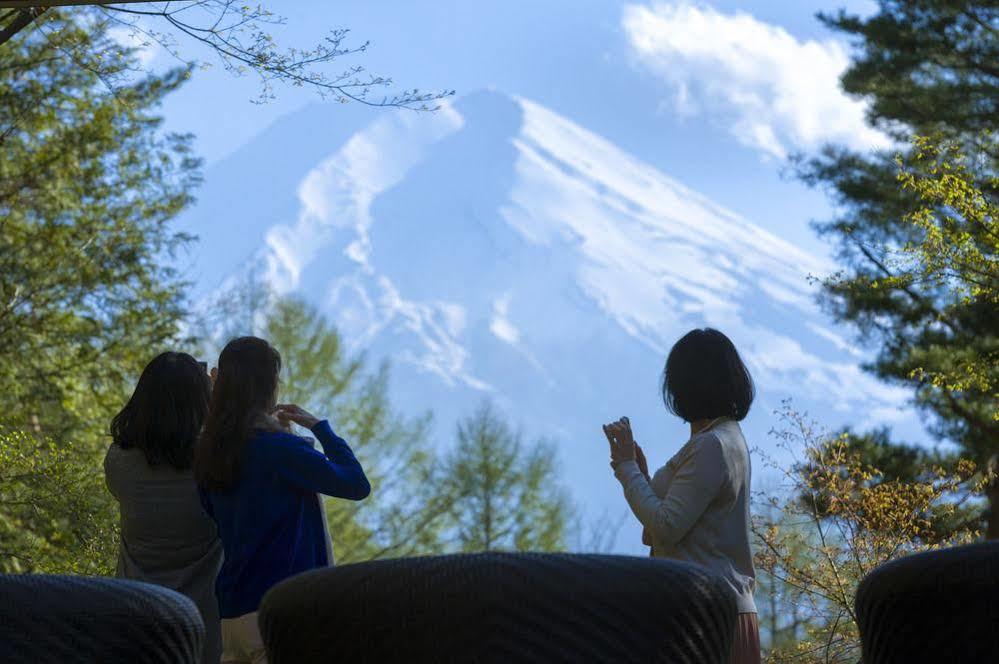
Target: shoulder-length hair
{"points": [[164, 415], [705, 378], [245, 391]]}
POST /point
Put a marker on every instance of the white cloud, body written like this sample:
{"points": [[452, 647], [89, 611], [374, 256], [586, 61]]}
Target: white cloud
{"points": [[501, 325], [774, 92], [836, 340]]}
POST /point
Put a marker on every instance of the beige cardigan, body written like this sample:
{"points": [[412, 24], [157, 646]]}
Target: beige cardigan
{"points": [[696, 507]]}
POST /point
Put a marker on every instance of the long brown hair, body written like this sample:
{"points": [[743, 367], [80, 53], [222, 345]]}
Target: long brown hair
{"points": [[245, 390]]}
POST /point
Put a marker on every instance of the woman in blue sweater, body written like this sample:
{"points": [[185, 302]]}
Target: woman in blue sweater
{"points": [[260, 483]]}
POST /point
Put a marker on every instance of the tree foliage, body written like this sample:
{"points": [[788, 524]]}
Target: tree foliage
{"points": [[837, 519], [782, 607], [88, 186], [956, 254], [506, 495], [933, 298], [906, 463], [55, 514], [925, 65], [916, 232]]}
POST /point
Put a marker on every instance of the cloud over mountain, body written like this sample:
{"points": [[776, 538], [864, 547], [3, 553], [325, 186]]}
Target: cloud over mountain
{"points": [[772, 91]]}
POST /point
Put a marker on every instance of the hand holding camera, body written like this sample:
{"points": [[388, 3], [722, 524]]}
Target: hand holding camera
{"points": [[288, 412], [622, 443]]}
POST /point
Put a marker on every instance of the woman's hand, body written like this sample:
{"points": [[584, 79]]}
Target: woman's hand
{"points": [[622, 443], [289, 412]]}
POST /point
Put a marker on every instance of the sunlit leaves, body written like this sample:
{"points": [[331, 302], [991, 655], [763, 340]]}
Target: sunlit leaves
{"points": [[55, 513], [836, 518], [958, 243]]}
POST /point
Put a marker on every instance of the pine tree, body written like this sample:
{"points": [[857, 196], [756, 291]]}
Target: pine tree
{"points": [[506, 495], [928, 69]]}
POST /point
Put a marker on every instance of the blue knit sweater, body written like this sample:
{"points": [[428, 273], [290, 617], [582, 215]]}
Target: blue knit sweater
{"points": [[270, 522]]}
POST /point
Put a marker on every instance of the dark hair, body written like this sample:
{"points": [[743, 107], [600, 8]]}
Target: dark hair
{"points": [[705, 378], [163, 417], [245, 389]]}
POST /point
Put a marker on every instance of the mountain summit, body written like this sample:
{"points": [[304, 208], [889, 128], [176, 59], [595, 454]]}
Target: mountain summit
{"points": [[496, 249]]}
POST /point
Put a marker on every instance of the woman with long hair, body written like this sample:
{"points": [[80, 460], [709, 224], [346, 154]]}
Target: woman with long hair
{"points": [[696, 507], [260, 484], [166, 536]]}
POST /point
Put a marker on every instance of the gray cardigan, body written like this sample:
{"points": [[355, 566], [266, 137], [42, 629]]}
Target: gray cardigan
{"points": [[696, 507], [166, 536]]}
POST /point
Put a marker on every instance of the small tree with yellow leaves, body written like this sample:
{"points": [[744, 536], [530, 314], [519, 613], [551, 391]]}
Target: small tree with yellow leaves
{"points": [[837, 518]]}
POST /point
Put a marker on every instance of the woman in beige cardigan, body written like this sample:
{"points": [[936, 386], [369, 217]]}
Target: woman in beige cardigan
{"points": [[696, 507]]}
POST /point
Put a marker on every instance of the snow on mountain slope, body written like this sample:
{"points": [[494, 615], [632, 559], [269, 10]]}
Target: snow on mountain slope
{"points": [[496, 249]]}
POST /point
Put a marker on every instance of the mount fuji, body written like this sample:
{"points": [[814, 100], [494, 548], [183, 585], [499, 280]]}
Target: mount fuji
{"points": [[495, 249]]}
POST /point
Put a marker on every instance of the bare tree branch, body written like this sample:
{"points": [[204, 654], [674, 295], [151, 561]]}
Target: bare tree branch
{"points": [[237, 35]]}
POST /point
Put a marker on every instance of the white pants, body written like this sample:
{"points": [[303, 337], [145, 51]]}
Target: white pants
{"points": [[241, 641]]}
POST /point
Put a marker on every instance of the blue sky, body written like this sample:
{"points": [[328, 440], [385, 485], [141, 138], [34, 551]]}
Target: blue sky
{"points": [[631, 72]]}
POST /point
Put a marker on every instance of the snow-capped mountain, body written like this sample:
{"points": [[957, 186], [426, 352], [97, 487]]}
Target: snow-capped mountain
{"points": [[496, 249]]}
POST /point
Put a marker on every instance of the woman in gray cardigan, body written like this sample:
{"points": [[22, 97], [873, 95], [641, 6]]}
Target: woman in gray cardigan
{"points": [[696, 507], [166, 536]]}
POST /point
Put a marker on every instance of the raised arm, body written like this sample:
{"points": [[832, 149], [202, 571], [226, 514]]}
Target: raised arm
{"points": [[334, 472], [695, 485]]}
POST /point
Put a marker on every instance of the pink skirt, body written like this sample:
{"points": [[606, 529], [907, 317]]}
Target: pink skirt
{"points": [[746, 644]]}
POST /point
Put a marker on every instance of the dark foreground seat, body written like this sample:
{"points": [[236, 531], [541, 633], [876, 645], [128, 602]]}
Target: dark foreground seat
{"points": [[501, 608], [68, 619], [939, 606]]}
